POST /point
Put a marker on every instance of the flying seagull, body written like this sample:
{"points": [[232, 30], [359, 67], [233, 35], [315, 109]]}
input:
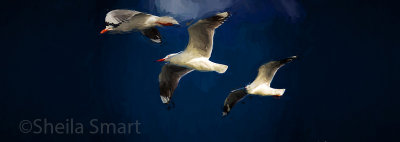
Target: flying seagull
{"points": [[194, 57], [121, 21], [260, 86]]}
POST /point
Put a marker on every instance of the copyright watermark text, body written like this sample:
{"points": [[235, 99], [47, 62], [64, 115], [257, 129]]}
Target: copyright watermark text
{"points": [[71, 126]]}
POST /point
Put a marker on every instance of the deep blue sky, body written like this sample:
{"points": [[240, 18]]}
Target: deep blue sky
{"points": [[55, 65]]}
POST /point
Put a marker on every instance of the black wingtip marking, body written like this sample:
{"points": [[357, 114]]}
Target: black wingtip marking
{"points": [[219, 18], [234, 97], [289, 59], [225, 110], [153, 34]]}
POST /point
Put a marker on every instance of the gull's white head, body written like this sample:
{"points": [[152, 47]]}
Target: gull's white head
{"points": [[167, 58], [108, 28]]}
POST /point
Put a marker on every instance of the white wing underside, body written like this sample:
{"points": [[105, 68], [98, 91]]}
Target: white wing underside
{"points": [[265, 75], [198, 51], [201, 35]]}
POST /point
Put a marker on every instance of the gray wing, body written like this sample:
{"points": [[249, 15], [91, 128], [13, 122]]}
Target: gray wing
{"points": [[120, 15], [169, 79], [234, 97], [153, 34], [202, 32], [267, 71]]}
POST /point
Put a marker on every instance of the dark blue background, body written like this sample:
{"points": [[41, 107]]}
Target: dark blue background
{"points": [[55, 65]]}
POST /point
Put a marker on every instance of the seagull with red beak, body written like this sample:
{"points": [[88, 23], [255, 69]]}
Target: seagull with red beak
{"points": [[195, 57], [122, 21], [260, 86]]}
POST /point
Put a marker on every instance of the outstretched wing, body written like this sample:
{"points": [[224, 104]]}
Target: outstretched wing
{"points": [[119, 16], [234, 97], [169, 79], [267, 71], [201, 34]]}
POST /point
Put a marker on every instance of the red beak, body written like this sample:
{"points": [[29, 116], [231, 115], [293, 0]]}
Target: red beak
{"points": [[160, 60], [104, 31], [165, 24]]}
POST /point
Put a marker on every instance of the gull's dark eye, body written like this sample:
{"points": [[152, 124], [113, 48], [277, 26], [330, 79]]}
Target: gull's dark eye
{"points": [[112, 24]]}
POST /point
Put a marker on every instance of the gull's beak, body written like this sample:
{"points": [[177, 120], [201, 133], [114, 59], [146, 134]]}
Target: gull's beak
{"points": [[160, 60], [104, 31]]}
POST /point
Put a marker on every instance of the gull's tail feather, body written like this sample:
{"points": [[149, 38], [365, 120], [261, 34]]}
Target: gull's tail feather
{"points": [[221, 68], [278, 92], [167, 21]]}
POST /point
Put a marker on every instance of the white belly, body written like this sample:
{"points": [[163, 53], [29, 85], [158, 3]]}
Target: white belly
{"points": [[264, 90], [200, 64]]}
